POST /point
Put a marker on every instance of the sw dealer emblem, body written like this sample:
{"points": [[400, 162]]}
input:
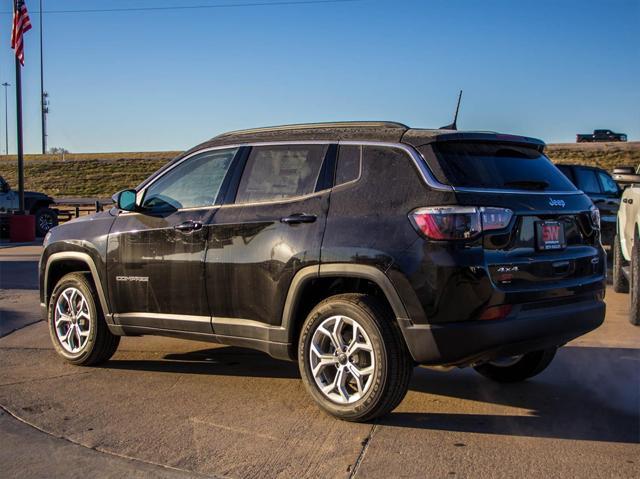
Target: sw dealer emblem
{"points": [[559, 203]]}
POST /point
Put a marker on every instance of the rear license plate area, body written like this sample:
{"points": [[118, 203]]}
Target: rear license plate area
{"points": [[550, 235]]}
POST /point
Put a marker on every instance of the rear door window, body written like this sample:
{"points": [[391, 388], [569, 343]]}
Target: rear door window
{"points": [[495, 166], [587, 180], [278, 172]]}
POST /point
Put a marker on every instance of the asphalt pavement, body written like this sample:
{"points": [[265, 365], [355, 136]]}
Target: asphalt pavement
{"points": [[170, 408]]}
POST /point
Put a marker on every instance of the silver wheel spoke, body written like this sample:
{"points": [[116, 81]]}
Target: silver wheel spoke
{"points": [[72, 304], [328, 334], [335, 333], [65, 337], [323, 359], [62, 318], [78, 337], [341, 383], [355, 373], [359, 347], [83, 309]]}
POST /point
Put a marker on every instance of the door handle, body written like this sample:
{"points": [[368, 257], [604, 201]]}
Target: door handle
{"points": [[298, 218], [188, 226]]}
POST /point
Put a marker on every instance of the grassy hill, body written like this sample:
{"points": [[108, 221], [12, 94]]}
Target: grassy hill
{"points": [[102, 174]]}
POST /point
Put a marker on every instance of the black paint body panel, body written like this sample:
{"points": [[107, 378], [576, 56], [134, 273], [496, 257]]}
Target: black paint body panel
{"points": [[252, 256]]}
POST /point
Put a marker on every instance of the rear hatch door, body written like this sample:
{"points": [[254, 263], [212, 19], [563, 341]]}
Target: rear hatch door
{"points": [[552, 241]]}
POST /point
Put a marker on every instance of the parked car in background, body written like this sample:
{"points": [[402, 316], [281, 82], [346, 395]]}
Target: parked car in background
{"points": [[600, 135], [356, 249], [37, 204], [626, 247], [603, 191]]}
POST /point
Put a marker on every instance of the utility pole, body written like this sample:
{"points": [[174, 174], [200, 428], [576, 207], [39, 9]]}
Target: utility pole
{"points": [[6, 119], [44, 107]]}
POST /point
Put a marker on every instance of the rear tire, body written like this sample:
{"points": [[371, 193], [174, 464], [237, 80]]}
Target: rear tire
{"points": [[528, 365], [634, 309], [620, 283], [379, 349], [76, 323]]}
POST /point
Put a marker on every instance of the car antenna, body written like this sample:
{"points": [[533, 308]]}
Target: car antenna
{"points": [[454, 125]]}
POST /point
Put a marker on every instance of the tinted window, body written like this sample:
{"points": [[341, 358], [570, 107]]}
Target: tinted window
{"points": [[349, 160], [193, 183], [280, 172], [587, 180], [496, 166], [608, 185], [566, 171]]}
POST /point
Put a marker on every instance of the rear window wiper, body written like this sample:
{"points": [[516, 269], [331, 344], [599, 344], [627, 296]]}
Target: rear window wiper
{"points": [[528, 184]]}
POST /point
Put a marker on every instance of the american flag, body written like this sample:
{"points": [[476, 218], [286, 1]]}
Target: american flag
{"points": [[21, 25]]}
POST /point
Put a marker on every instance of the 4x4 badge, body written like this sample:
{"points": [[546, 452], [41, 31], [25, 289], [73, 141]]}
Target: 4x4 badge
{"points": [[553, 202]]}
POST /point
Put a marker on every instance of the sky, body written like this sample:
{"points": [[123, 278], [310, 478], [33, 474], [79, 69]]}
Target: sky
{"points": [[169, 79]]}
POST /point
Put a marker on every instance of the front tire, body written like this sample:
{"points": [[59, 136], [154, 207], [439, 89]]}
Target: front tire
{"points": [[76, 324], [516, 369], [620, 283], [353, 359]]}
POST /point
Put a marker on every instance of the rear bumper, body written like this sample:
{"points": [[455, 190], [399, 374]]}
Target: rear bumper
{"points": [[475, 341]]}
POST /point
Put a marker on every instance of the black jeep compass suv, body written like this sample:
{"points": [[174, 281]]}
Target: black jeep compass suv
{"points": [[357, 249]]}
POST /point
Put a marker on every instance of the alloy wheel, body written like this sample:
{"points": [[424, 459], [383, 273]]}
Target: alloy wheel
{"points": [[72, 320], [342, 359], [45, 222]]}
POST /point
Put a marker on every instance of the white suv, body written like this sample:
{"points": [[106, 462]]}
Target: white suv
{"points": [[626, 247]]}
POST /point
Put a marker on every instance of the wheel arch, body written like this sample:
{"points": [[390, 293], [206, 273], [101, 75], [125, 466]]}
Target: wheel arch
{"points": [[62, 263], [296, 307]]}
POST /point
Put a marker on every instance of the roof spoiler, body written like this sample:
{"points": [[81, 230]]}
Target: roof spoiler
{"points": [[490, 136]]}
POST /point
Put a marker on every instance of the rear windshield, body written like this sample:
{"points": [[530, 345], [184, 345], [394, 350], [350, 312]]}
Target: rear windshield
{"points": [[496, 166]]}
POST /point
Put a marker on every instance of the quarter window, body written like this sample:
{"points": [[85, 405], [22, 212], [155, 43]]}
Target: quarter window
{"points": [[193, 183], [280, 171], [349, 160]]}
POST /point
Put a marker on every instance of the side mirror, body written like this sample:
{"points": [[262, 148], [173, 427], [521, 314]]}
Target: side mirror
{"points": [[126, 200], [4, 187]]}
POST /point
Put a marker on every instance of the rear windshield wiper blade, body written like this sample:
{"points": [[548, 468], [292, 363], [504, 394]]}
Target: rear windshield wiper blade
{"points": [[528, 184]]}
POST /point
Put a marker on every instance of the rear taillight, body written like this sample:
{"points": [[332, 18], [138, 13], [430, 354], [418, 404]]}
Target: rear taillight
{"points": [[459, 222]]}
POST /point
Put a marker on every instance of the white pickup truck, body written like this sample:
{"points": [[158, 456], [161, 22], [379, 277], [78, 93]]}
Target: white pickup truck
{"points": [[626, 244]]}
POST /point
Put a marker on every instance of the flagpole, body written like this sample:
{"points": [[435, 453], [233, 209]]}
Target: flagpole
{"points": [[43, 106], [19, 127]]}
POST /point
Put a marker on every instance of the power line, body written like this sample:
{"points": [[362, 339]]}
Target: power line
{"points": [[196, 7]]}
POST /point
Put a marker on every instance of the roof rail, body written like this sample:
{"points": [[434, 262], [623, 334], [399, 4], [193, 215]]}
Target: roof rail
{"points": [[310, 126]]}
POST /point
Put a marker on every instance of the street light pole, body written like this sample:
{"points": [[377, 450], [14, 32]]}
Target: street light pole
{"points": [[6, 120]]}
